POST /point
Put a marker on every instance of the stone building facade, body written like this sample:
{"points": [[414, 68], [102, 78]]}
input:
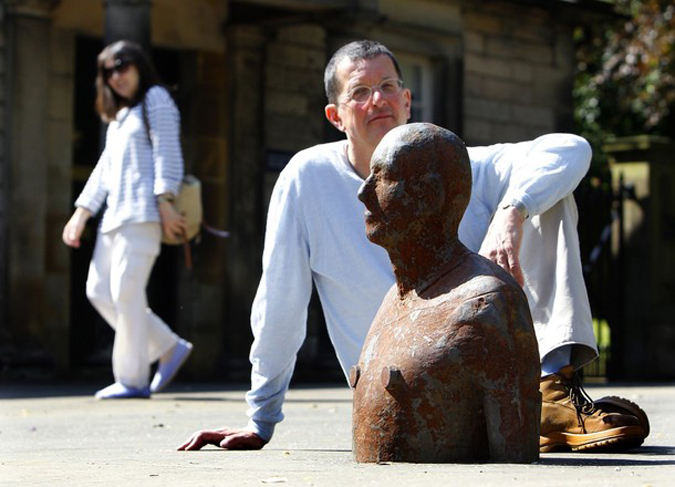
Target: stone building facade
{"points": [[249, 85], [4, 176]]}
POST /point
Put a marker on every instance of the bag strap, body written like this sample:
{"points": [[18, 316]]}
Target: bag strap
{"points": [[214, 231], [187, 251], [146, 121]]}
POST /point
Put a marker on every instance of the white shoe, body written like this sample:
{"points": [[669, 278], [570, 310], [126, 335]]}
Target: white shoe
{"points": [[167, 371], [120, 391]]}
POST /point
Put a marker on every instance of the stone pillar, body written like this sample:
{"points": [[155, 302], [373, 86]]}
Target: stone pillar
{"points": [[246, 65], [28, 40], [57, 319], [4, 187], [128, 19]]}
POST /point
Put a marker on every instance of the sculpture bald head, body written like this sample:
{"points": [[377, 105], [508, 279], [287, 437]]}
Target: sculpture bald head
{"points": [[419, 185]]}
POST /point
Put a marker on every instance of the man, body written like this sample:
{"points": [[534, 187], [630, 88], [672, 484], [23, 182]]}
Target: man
{"points": [[521, 206]]}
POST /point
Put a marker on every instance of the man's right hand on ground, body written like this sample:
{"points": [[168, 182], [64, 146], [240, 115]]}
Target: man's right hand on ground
{"points": [[228, 438]]}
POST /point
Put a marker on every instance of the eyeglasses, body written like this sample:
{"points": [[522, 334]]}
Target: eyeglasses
{"points": [[120, 66], [388, 88]]}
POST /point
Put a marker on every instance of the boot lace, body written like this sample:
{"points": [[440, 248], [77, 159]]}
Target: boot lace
{"points": [[583, 403]]}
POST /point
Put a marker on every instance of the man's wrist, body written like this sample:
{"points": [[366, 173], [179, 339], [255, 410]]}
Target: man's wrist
{"points": [[519, 206], [263, 429]]}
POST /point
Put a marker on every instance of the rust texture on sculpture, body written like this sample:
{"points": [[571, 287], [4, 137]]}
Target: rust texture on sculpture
{"points": [[449, 371]]}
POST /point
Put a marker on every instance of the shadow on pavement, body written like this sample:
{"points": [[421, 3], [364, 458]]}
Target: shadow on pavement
{"points": [[611, 459], [33, 390], [36, 390], [287, 400]]}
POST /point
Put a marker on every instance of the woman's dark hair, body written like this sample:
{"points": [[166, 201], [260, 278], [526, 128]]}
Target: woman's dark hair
{"points": [[108, 103]]}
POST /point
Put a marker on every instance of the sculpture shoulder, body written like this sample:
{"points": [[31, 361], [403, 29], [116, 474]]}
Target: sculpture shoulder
{"points": [[487, 292], [475, 275]]}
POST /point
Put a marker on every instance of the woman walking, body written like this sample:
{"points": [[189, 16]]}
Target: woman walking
{"points": [[136, 178]]}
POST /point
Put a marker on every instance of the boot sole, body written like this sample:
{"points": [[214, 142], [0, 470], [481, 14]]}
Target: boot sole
{"points": [[622, 438]]}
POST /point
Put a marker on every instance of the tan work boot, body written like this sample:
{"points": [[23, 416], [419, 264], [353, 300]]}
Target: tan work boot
{"points": [[571, 421]]}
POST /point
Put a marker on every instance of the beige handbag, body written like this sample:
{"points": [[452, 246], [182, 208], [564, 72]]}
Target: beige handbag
{"points": [[189, 204]]}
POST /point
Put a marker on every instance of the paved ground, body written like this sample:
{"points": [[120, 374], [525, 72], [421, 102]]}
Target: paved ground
{"points": [[58, 435]]}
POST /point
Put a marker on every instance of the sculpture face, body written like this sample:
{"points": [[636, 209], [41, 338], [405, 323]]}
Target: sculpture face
{"points": [[404, 192], [388, 199], [420, 181]]}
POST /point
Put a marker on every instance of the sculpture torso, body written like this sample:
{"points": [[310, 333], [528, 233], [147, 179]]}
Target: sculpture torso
{"points": [[449, 371], [440, 372]]}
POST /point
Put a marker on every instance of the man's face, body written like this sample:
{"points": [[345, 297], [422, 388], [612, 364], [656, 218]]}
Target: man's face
{"points": [[365, 123], [388, 195]]}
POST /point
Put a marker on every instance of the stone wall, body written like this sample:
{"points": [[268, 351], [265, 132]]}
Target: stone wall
{"points": [[201, 304], [27, 113], [58, 184], [276, 107], [4, 330], [245, 66], [35, 270], [36, 101], [294, 94], [518, 65], [254, 97], [294, 120]]}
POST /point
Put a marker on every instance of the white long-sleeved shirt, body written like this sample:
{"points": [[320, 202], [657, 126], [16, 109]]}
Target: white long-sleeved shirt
{"points": [[131, 172], [316, 231]]}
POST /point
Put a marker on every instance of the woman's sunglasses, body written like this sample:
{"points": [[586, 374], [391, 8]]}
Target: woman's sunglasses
{"points": [[120, 66]]}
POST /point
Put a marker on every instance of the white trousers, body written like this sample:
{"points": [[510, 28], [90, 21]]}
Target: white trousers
{"points": [[554, 283], [118, 275]]}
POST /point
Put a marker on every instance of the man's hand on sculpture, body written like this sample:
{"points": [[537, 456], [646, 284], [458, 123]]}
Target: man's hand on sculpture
{"points": [[227, 438], [502, 242]]}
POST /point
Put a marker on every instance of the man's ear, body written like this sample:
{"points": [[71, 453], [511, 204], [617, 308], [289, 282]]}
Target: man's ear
{"points": [[408, 101], [333, 116]]}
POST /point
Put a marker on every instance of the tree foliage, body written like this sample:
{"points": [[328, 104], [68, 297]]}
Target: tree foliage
{"points": [[625, 81]]}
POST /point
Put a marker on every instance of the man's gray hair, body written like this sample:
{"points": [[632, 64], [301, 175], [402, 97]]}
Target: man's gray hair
{"points": [[364, 49]]}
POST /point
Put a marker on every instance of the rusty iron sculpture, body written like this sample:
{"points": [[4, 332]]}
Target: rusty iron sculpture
{"points": [[449, 371]]}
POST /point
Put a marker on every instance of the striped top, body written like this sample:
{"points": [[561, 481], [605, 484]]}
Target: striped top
{"points": [[131, 173]]}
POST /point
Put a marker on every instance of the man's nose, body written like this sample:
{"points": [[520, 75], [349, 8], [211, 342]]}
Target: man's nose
{"points": [[377, 95]]}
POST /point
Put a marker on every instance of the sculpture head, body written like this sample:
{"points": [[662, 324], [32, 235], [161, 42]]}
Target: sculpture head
{"points": [[419, 187]]}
